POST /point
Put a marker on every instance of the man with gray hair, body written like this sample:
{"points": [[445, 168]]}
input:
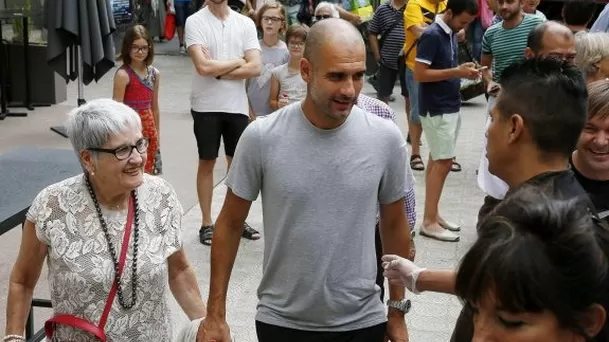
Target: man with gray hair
{"points": [[319, 266]]}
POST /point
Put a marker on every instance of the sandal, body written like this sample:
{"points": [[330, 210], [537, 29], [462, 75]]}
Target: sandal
{"points": [[205, 234], [456, 167], [249, 232], [416, 163]]}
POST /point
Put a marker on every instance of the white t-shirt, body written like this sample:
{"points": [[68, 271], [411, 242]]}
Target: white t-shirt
{"points": [[225, 40]]}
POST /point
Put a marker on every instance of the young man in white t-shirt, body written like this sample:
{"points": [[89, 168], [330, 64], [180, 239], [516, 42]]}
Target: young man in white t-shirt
{"points": [[224, 48]]}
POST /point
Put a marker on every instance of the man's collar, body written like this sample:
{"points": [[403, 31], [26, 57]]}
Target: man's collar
{"points": [[443, 25]]}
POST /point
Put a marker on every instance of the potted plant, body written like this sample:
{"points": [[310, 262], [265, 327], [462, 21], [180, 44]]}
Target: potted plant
{"points": [[18, 28]]}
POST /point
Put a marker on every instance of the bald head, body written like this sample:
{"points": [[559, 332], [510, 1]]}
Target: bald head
{"points": [[332, 31], [550, 36]]}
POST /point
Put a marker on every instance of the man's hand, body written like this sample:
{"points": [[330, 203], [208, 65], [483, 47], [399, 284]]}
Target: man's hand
{"points": [[213, 329], [396, 328], [401, 271], [461, 35], [468, 70]]}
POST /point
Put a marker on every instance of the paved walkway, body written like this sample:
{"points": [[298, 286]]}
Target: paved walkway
{"points": [[432, 316]]}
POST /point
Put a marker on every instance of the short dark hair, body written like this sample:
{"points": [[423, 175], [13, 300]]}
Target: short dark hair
{"points": [[578, 12], [297, 31], [551, 96], [132, 34], [457, 7], [538, 251], [535, 38]]}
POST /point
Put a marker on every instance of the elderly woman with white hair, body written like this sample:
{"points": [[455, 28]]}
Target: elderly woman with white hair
{"points": [[325, 10], [111, 237], [592, 55]]}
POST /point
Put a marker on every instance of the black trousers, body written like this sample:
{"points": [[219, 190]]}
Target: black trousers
{"points": [[272, 333]]}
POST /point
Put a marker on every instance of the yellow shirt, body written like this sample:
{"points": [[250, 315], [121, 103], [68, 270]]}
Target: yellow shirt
{"points": [[418, 12]]}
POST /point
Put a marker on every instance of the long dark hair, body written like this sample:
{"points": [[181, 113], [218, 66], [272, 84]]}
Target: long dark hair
{"points": [[132, 34], [536, 252]]}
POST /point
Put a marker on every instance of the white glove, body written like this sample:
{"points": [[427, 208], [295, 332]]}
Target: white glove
{"points": [[401, 271]]}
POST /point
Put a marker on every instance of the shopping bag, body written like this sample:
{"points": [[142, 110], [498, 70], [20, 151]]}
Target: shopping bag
{"points": [[170, 26]]}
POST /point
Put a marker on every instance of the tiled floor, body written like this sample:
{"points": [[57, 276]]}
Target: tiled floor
{"points": [[432, 316]]}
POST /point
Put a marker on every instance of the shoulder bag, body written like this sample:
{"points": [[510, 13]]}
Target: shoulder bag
{"points": [[83, 324]]}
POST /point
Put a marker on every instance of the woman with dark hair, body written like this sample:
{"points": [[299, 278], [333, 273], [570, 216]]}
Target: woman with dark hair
{"points": [[539, 271]]}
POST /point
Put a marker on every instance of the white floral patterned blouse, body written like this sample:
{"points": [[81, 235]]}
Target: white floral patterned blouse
{"points": [[80, 266]]}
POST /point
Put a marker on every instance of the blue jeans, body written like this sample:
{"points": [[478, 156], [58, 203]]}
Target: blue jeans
{"points": [[413, 91], [475, 33], [181, 8]]}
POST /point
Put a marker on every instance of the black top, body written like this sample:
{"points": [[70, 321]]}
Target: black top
{"points": [[597, 190]]}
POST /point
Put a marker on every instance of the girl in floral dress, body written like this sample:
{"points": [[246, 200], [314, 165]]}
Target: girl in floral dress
{"points": [[136, 83]]}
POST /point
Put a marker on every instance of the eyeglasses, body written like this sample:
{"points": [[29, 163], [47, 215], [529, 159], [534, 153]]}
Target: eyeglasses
{"points": [[124, 152], [274, 20], [136, 48], [296, 44], [322, 17]]}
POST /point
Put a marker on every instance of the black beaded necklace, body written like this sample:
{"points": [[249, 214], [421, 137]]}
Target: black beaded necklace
{"points": [[112, 250]]}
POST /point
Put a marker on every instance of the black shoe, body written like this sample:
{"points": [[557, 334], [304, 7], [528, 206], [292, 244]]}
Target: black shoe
{"points": [[205, 234], [249, 232]]}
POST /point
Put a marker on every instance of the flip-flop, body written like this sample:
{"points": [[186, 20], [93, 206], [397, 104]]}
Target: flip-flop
{"points": [[445, 235], [456, 167]]}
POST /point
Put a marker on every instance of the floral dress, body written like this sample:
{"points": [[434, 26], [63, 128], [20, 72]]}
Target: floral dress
{"points": [[80, 267], [138, 95]]}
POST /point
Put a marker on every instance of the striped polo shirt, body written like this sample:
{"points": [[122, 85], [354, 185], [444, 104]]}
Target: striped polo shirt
{"points": [[507, 45], [384, 23]]}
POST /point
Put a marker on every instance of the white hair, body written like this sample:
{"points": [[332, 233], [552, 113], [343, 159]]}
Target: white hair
{"points": [[92, 124], [331, 7], [591, 49]]}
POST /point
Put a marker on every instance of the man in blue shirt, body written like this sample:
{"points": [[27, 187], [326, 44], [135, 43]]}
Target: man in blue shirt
{"points": [[437, 70]]}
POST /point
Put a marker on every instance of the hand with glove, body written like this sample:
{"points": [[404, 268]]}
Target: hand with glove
{"points": [[401, 271]]}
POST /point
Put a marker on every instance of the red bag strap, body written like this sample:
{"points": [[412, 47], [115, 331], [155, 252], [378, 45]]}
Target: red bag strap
{"points": [[82, 324], [121, 263]]}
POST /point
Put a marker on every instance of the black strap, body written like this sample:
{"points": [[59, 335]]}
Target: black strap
{"points": [[433, 18], [398, 16]]}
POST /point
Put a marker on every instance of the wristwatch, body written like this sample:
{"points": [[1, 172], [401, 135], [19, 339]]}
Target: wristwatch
{"points": [[400, 305]]}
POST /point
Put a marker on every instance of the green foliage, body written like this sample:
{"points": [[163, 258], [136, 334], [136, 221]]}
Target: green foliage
{"points": [[18, 28]]}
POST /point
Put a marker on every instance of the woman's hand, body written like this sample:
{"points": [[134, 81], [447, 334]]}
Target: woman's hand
{"points": [[401, 271]]}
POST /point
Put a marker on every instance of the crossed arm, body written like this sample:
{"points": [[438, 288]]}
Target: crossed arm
{"points": [[236, 69]]}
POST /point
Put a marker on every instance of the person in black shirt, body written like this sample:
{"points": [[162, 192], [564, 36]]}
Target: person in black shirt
{"points": [[536, 123], [538, 271], [590, 162]]}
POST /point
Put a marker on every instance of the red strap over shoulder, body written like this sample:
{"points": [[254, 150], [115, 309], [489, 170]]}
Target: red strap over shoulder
{"points": [[82, 324]]}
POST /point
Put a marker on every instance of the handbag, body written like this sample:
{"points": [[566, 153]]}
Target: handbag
{"points": [[83, 324], [170, 26]]}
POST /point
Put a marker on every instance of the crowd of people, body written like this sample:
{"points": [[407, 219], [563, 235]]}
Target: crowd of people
{"points": [[336, 180]]}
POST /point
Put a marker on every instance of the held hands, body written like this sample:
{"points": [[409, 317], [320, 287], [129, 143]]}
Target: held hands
{"points": [[213, 330], [468, 70], [401, 271]]}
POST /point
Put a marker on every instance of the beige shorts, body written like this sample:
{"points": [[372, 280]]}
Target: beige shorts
{"points": [[441, 132]]}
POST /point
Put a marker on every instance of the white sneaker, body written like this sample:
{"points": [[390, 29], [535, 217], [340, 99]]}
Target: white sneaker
{"points": [[182, 50]]}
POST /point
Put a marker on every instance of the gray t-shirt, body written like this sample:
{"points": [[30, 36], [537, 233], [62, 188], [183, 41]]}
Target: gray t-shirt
{"points": [[319, 194], [259, 88], [291, 84]]}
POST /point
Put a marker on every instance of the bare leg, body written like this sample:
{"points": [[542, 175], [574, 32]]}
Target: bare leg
{"points": [[415, 131], [205, 188], [437, 171]]}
